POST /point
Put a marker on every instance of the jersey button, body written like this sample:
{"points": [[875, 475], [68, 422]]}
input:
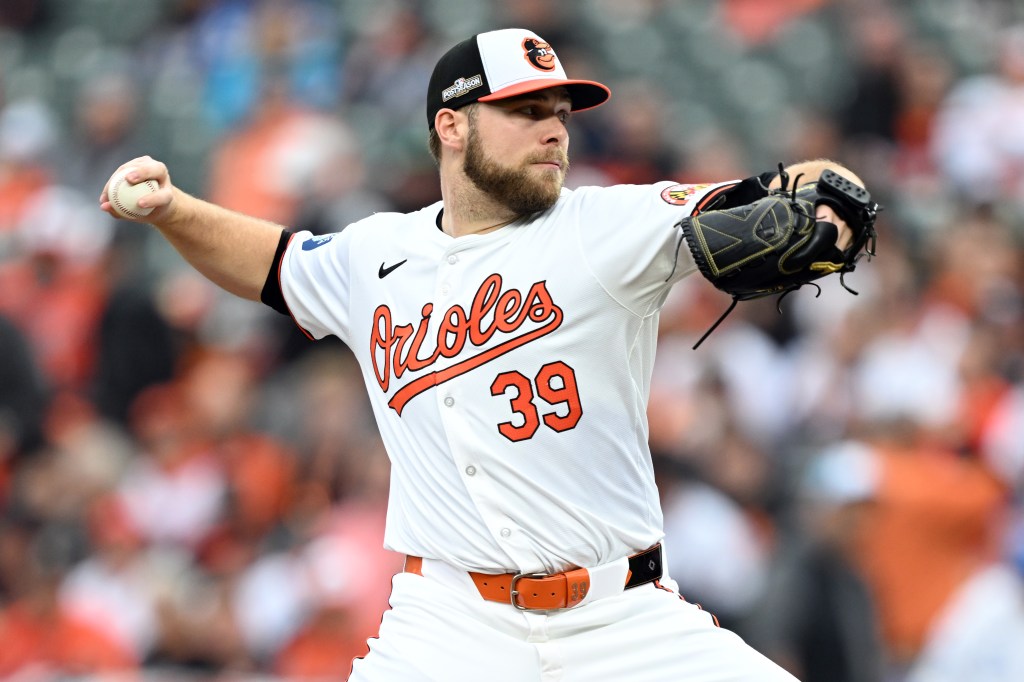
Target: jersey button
{"points": [[449, 401], [471, 470], [505, 532], [444, 290], [453, 259]]}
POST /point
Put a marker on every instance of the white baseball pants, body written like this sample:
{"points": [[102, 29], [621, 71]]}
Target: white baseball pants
{"points": [[440, 629]]}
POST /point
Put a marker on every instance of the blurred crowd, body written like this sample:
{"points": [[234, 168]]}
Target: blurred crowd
{"points": [[189, 488]]}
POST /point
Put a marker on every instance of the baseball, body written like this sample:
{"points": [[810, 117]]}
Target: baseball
{"points": [[124, 196]]}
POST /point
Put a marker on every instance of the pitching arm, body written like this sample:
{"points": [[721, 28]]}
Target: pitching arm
{"points": [[232, 250]]}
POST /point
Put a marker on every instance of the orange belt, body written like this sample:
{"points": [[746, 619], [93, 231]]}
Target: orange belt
{"points": [[536, 592]]}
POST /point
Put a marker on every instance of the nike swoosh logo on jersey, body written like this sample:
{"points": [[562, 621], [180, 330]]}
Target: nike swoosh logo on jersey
{"points": [[385, 271]]}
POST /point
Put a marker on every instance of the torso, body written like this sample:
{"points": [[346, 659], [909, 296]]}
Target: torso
{"points": [[508, 371]]}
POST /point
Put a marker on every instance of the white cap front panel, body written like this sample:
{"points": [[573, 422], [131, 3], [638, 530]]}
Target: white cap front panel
{"points": [[515, 55]]}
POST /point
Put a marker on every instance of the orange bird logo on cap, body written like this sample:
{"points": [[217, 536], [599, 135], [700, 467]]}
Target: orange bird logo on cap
{"points": [[539, 54]]}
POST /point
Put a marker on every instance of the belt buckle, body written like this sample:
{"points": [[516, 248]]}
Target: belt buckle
{"points": [[515, 593]]}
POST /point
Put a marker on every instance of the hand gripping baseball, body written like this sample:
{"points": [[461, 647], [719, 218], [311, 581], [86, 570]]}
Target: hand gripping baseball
{"points": [[137, 205], [776, 244]]}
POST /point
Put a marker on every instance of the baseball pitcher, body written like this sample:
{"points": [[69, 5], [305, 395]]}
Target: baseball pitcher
{"points": [[506, 336]]}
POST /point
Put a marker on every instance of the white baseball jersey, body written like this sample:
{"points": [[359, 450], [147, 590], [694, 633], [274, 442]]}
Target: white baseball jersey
{"points": [[508, 371]]}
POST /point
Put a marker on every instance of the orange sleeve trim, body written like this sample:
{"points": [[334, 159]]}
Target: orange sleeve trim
{"points": [[280, 263], [711, 196]]}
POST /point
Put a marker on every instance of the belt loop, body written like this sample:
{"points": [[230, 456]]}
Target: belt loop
{"points": [[606, 580]]}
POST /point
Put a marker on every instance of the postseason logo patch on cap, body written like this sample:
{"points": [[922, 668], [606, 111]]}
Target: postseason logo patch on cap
{"points": [[461, 86]]}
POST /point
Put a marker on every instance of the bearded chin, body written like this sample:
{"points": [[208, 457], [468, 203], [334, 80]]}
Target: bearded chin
{"points": [[516, 189]]}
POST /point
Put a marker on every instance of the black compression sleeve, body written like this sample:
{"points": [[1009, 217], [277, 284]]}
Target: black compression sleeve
{"points": [[767, 177], [271, 294], [747, 192], [737, 194]]}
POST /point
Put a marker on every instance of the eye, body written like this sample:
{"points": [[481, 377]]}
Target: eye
{"points": [[563, 116]]}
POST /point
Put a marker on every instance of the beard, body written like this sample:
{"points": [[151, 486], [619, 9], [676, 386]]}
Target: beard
{"points": [[517, 189]]}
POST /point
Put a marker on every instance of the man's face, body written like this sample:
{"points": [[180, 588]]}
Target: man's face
{"points": [[516, 151]]}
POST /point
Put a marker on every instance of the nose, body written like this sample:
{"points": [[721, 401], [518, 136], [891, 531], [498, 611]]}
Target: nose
{"points": [[555, 131]]}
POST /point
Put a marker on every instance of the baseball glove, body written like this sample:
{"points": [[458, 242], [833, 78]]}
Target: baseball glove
{"points": [[776, 245]]}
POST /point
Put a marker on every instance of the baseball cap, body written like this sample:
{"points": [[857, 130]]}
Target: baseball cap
{"points": [[500, 64]]}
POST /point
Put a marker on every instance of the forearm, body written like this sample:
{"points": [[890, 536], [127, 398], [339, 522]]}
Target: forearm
{"points": [[232, 250]]}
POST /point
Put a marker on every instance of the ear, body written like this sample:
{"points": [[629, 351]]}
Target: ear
{"points": [[452, 128]]}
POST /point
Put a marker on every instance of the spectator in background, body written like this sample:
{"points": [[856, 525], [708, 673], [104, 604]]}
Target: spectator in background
{"points": [[56, 290], [931, 527], [713, 523], [759, 22], [978, 633], [637, 152], [43, 536], [925, 76], [332, 561], [113, 589], [294, 165], [921, 194], [713, 152], [105, 124], [135, 348], [237, 485], [329, 174], [816, 616], [173, 491], [219, 389], [391, 59], [22, 399], [243, 45], [335, 456], [869, 117], [42, 637], [1002, 449], [979, 140], [25, 15], [258, 167], [28, 133], [880, 115], [340, 564]]}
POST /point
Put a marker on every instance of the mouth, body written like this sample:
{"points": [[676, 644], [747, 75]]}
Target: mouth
{"points": [[554, 164]]}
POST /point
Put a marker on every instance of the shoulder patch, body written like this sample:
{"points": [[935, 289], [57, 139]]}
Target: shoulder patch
{"points": [[678, 195], [315, 242]]}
